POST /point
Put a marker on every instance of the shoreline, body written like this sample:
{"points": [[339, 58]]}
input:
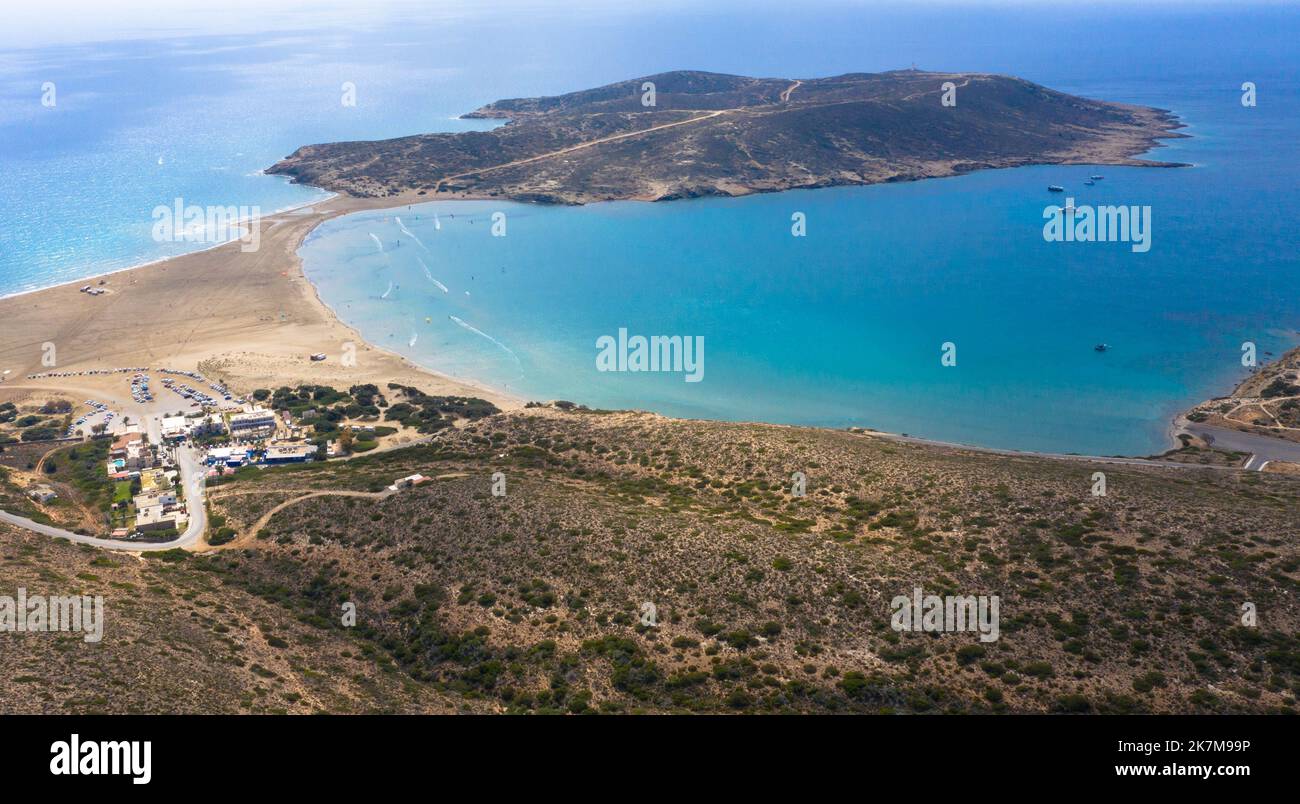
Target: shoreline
{"points": [[338, 319], [95, 277], [1175, 425], [491, 393], [290, 265], [251, 318]]}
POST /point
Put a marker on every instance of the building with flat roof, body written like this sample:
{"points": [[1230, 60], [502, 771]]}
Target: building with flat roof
{"points": [[228, 456], [290, 453], [212, 424], [174, 428], [139, 456], [254, 420], [154, 517], [167, 499], [41, 494], [410, 481]]}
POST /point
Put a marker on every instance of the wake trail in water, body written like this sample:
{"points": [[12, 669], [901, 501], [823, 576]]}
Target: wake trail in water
{"points": [[441, 286], [378, 244], [483, 334], [409, 233], [386, 292]]}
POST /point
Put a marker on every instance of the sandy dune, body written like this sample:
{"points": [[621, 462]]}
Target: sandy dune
{"points": [[250, 318]]}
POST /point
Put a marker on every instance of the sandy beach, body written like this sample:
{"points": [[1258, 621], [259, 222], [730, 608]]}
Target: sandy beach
{"points": [[249, 318]]}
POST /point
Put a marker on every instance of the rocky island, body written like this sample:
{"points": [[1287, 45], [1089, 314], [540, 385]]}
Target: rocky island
{"points": [[690, 134]]}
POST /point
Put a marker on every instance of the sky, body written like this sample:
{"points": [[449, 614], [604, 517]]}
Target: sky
{"points": [[29, 25]]}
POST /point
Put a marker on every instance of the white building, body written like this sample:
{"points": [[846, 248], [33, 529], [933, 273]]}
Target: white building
{"points": [[208, 426], [410, 481], [174, 427], [252, 421], [290, 453], [154, 518], [228, 456], [167, 499]]}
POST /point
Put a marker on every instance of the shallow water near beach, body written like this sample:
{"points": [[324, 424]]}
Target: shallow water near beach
{"points": [[844, 327]]}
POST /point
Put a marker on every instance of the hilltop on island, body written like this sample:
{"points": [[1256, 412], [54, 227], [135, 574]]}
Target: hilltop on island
{"points": [[710, 134]]}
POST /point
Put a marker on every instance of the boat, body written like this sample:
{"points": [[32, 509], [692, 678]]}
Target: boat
{"points": [[1097, 178], [1090, 182], [1055, 188], [1101, 347]]}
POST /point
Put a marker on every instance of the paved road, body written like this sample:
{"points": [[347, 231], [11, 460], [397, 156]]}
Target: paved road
{"points": [[192, 480], [153, 428], [1061, 456], [1262, 449]]}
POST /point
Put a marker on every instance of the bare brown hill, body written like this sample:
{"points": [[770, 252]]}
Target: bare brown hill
{"points": [[712, 134]]}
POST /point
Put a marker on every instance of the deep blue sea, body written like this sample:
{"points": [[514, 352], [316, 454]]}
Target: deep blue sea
{"points": [[841, 327]]}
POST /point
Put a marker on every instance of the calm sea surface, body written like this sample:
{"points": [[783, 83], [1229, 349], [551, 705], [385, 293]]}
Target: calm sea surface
{"points": [[841, 327]]}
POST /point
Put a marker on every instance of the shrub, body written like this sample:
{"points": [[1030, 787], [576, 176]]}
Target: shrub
{"points": [[967, 654], [1039, 670], [1073, 703], [1149, 681], [222, 536]]}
